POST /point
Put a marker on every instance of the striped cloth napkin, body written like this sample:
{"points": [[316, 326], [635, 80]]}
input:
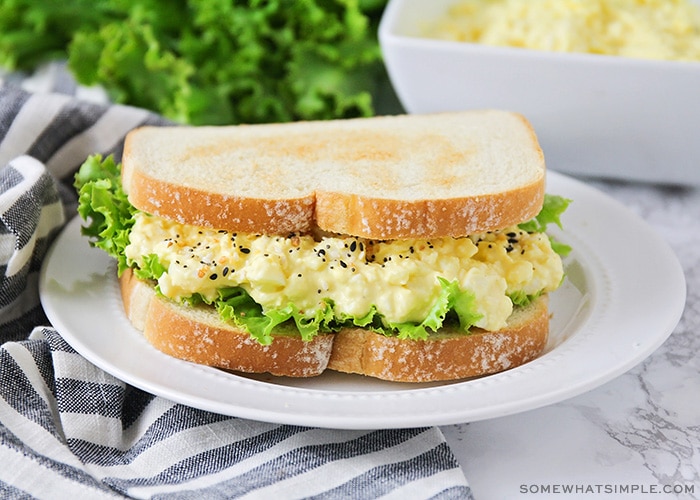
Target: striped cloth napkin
{"points": [[70, 430]]}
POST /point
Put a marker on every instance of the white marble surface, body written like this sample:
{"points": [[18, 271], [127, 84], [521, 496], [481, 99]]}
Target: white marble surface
{"points": [[640, 430]]}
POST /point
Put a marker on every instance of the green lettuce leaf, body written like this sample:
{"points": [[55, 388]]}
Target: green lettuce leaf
{"points": [[221, 62], [103, 204], [237, 306], [451, 299], [151, 269], [522, 299], [234, 304], [209, 61], [552, 209]]}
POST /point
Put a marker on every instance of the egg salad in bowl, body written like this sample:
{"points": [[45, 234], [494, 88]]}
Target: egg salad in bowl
{"points": [[650, 29]]}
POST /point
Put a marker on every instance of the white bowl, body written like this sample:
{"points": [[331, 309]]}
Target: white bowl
{"points": [[595, 115]]}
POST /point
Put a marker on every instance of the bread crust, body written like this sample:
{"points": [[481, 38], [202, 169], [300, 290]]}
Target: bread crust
{"points": [[187, 205], [444, 356], [457, 182], [196, 334]]}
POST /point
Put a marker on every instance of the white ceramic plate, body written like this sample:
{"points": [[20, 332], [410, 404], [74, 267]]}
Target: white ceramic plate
{"points": [[623, 296]]}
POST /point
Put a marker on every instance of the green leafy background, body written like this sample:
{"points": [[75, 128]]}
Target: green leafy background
{"points": [[209, 61]]}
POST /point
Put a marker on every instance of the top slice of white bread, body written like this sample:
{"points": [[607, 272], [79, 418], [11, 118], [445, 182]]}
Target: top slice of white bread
{"points": [[390, 177]]}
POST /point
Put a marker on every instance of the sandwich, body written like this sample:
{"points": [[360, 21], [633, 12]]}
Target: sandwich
{"points": [[408, 248]]}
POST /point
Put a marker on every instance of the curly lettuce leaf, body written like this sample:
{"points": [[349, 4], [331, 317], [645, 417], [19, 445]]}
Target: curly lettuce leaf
{"points": [[451, 300], [552, 209], [32, 32], [234, 304], [151, 268], [522, 299], [103, 204], [222, 62]]}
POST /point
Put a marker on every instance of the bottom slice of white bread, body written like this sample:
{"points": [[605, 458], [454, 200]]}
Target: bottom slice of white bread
{"points": [[446, 355], [197, 334]]}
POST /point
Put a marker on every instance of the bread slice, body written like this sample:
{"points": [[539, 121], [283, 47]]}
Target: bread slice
{"points": [[197, 334], [446, 355], [390, 177]]}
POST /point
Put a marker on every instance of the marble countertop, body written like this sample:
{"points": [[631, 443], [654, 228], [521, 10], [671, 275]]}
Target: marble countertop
{"points": [[636, 436]]}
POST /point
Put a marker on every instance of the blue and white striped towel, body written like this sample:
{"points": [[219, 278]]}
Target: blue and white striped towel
{"points": [[70, 430]]}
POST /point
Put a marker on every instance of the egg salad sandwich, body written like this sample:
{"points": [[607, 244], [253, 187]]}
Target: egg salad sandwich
{"points": [[408, 248]]}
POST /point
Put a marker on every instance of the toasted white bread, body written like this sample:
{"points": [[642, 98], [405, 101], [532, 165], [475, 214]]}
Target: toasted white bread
{"points": [[392, 177], [446, 355], [197, 334]]}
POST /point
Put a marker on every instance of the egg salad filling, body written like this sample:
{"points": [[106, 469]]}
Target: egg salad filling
{"points": [[649, 29], [407, 288]]}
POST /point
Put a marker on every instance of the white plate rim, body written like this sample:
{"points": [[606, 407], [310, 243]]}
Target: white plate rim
{"points": [[607, 337]]}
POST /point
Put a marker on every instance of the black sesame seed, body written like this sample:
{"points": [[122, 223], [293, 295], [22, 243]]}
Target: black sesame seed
{"points": [[213, 276], [343, 264], [245, 250], [353, 246], [225, 271]]}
